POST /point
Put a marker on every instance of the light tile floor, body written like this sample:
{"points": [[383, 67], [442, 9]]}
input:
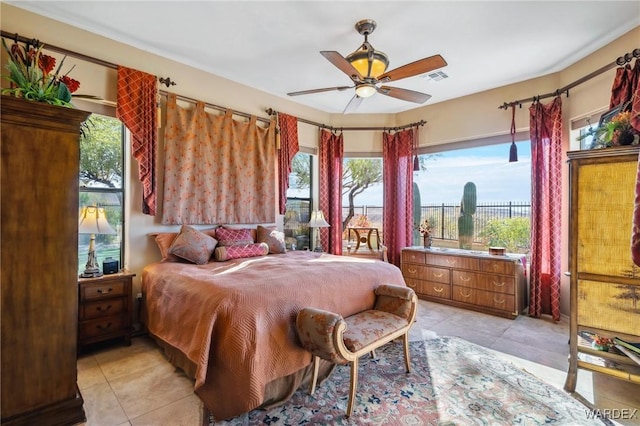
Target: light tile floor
{"points": [[136, 385]]}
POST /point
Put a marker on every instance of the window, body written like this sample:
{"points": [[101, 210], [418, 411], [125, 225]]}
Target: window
{"points": [[101, 184], [362, 193], [503, 195], [298, 212]]}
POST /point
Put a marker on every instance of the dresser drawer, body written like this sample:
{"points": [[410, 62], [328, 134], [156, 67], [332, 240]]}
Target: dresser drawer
{"points": [[430, 288], [440, 275], [101, 308], [497, 266], [412, 257], [495, 283], [461, 262], [505, 302], [102, 290], [106, 325]]}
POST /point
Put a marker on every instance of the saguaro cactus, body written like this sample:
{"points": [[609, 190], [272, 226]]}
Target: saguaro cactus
{"points": [[417, 215], [465, 221]]}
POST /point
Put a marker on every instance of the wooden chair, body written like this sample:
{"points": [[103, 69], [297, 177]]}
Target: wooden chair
{"points": [[343, 340]]}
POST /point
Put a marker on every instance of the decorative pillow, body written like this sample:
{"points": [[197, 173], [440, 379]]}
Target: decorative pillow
{"points": [[234, 237], [193, 245], [164, 240], [272, 237], [239, 251]]}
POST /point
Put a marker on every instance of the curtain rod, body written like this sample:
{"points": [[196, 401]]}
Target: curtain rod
{"points": [[37, 43], [271, 111], [628, 57]]}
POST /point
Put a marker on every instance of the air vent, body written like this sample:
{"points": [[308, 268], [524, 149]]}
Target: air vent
{"points": [[435, 76]]}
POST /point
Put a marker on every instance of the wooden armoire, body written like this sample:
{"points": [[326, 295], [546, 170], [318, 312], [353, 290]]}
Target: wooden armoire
{"points": [[605, 283], [39, 255]]}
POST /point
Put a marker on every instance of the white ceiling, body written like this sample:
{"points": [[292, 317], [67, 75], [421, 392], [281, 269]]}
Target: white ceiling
{"points": [[274, 45]]}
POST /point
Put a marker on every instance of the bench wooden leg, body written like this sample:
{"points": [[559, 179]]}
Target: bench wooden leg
{"points": [[352, 386], [373, 354], [314, 377], [407, 362]]}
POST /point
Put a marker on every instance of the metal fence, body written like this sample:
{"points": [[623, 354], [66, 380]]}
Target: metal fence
{"points": [[444, 217]]}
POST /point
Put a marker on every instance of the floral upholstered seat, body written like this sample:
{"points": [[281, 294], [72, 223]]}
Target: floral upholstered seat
{"points": [[343, 340]]}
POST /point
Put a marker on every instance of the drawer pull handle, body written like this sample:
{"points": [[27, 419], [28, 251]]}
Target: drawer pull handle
{"points": [[412, 271], [451, 261], [101, 309], [500, 302], [464, 295], [107, 291], [438, 290], [465, 279], [106, 327], [498, 284], [438, 274]]}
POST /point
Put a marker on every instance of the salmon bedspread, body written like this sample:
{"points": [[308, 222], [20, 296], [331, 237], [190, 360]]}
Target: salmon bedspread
{"points": [[235, 320]]}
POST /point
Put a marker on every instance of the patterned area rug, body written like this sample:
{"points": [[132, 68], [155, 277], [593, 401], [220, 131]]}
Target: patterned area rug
{"points": [[453, 382]]}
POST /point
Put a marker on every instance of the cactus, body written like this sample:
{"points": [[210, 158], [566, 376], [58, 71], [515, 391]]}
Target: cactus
{"points": [[417, 213], [465, 221]]}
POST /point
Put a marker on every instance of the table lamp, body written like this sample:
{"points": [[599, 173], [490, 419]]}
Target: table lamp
{"points": [[317, 221], [93, 220]]}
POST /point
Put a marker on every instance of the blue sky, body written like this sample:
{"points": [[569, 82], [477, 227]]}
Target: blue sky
{"points": [[488, 167]]}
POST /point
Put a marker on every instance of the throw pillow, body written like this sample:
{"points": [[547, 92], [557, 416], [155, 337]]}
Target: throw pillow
{"points": [[233, 236], [235, 252], [272, 237], [193, 245], [164, 240]]}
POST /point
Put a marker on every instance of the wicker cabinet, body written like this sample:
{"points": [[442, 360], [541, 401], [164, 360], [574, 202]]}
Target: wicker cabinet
{"points": [[104, 310], [605, 283], [39, 244], [467, 279]]}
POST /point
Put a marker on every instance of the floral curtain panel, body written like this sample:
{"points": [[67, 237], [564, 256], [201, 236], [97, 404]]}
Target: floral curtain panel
{"points": [[397, 177], [546, 201], [288, 148], [217, 170], [330, 155], [136, 108]]}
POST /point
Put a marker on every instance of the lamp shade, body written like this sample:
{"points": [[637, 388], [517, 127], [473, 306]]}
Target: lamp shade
{"points": [[369, 62], [317, 220], [93, 220], [365, 90]]}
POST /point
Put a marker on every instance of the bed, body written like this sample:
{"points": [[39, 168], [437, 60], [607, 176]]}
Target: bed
{"points": [[231, 325]]}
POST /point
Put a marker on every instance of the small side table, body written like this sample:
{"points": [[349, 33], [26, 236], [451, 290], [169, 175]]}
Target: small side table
{"points": [[362, 238], [104, 310]]}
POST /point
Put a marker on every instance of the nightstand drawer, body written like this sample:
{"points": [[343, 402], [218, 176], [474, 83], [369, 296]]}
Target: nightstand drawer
{"points": [[98, 327], [101, 308], [102, 290]]}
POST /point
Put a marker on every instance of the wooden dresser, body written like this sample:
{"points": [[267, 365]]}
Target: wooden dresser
{"points": [[605, 283], [467, 279], [104, 310], [39, 238]]}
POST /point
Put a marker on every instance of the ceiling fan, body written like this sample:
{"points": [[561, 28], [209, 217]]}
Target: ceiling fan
{"points": [[367, 69]]}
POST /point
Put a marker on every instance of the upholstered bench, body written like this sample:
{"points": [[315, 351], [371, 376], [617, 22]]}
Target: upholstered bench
{"points": [[343, 340]]}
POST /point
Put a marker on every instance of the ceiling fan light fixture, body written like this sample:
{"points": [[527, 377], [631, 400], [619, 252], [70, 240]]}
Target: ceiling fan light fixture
{"points": [[365, 90], [369, 62]]}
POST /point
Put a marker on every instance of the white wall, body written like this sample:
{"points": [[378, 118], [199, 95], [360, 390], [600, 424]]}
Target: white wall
{"points": [[455, 120]]}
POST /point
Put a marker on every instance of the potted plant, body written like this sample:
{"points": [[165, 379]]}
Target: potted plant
{"points": [[614, 132]]}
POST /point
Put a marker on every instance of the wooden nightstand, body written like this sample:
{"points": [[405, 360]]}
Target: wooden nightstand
{"points": [[104, 310]]}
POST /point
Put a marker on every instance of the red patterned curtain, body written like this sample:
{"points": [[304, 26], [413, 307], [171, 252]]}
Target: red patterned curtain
{"points": [[136, 108], [546, 201], [330, 156], [217, 169], [288, 149], [626, 88], [397, 178]]}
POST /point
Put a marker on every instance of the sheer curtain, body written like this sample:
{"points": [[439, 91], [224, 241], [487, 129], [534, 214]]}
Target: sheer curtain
{"points": [[397, 177], [331, 149], [546, 202], [217, 170], [288, 148], [136, 108]]}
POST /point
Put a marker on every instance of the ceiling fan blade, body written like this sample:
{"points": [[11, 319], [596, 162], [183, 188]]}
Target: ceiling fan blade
{"points": [[414, 68], [353, 104], [404, 94], [325, 89], [342, 64]]}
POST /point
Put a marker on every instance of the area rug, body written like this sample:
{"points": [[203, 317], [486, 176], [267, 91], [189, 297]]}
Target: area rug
{"points": [[453, 382]]}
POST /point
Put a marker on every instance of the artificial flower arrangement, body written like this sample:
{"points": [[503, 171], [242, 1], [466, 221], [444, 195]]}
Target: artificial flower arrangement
{"points": [[617, 131], [31, 76], [425, 228], [360, 221]]}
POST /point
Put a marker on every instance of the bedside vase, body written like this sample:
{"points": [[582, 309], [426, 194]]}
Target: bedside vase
{"points": [[426, 240]]}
